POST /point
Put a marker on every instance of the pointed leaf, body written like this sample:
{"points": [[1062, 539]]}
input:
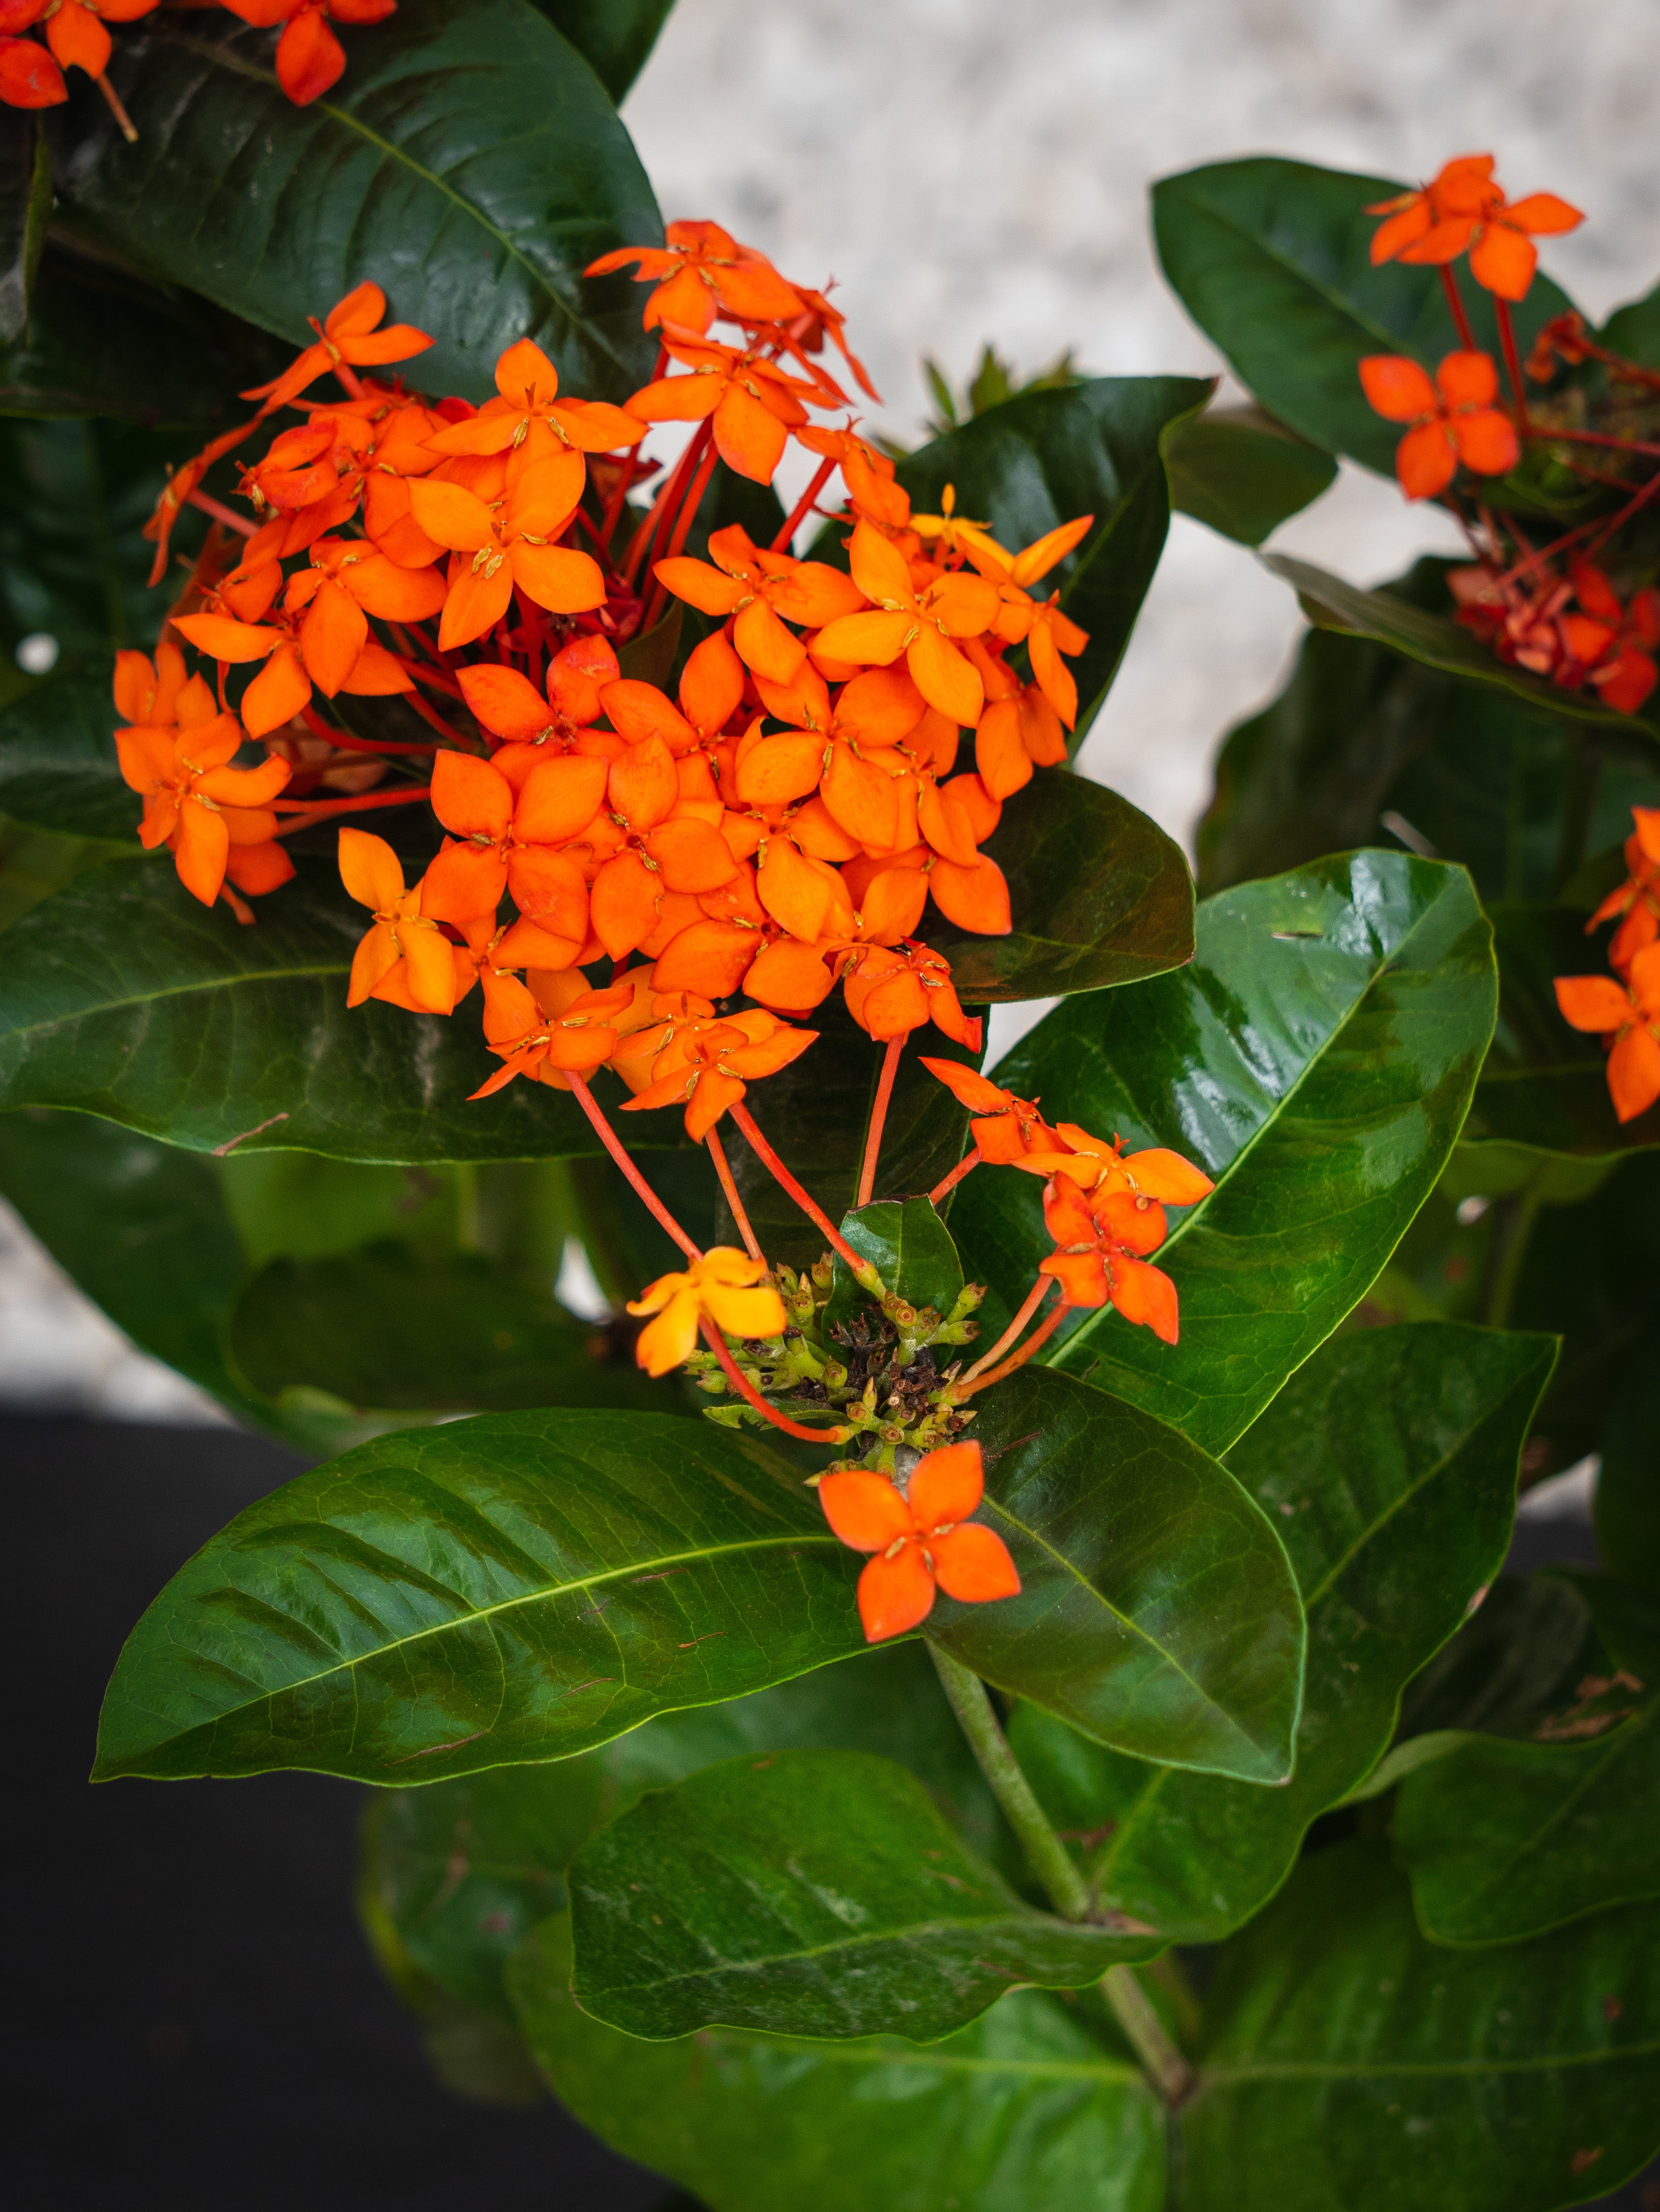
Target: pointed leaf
{"points": [[1389, 1466], [468, 162], [24, 205], [1243, 473], [1343, 2060], [517, 1587], [1032, 2106], [1157, 1612], [909, 1247], [613, 36], [1317, 1060]]}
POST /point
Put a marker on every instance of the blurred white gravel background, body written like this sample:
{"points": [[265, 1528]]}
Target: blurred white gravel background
{"points": [[974, 170]]}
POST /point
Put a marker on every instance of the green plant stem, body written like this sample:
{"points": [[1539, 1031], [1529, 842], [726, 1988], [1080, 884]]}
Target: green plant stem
{"points": [[1050, 1861]]}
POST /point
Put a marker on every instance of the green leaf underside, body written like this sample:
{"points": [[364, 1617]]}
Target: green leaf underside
{"points": [[1043, 458], [458, 1872], [1098, 895], [1439, 642], [516, 1587], [1388, 1465], [1272, 259], [1344, 2061], [909, 1247], [1545, 1086], [468, 162], [1317, 1060], [1032, 2106], [808, 1892], [386, 1328], [1157, 1612], [1241, 472], [1504, 1837]]}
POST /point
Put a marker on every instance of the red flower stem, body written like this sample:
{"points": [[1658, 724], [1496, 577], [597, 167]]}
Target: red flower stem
{"points": [[315, 808], [1455, 302], [747, 1391], [802, 508], [318, 728], [1555, 436], [1035, 1298], [781, 1175], [890, 1068], [221, 512], [718, 1154], [1040, 1336], [1624, 516], [630, 466], [430, 715], [423, 672], [123, 119], [1513, 363], [613, 1144], [664, 505], [687, 516], [969, 1161]]}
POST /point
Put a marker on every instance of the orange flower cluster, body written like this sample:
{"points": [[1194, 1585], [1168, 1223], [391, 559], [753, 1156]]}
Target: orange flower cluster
{"points": [[1626, 1014], [1464, 211], [1531, 620], [309, 57], [778, 827]]}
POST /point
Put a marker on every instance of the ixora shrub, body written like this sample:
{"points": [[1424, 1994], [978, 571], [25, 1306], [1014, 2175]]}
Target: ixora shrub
{"points": [[986, 1685]]}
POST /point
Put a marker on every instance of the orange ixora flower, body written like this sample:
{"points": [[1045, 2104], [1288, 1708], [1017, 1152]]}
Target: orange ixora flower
{"points": [[1154, 1174], [309, 57], [1005, 1129], [568, 1030], [1464, 210], [1045, 631], [529, 420], [514, 840], [753, 402], [702, 272], [29, 77], [923, 625], [1454, 419], [348, 335], [923, 1538], [195, 802], [1627, 1017], [725, 1287], [893, 989], [1101, 1240], [1636, 904], [74, 30], [401, 957], [757, 588], [706, 1064], [511, 542]]}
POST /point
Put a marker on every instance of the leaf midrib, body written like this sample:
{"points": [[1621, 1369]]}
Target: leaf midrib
{"points": [[256, 976], [1317, 2069]]}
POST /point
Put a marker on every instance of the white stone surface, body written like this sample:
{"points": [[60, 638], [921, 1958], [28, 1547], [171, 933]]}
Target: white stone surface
{"points": [[971, 170]]}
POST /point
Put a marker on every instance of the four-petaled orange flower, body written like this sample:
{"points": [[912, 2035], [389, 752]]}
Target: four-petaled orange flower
{"points": [[706, 1064], [349, 335], [530, 421], [514, 840], [75, 33], [1463, 210], [1454, 418], [892, 990], [1101, 1240], [511, 542], [1627, 1017], [727, 1286], [755, 404], [1099, 1167], [923, 1538], [194, 801], [922, 625], [1005, 1129], [309, 57], [1636, 902], [756, 588], [700, 273], [402, 956]]}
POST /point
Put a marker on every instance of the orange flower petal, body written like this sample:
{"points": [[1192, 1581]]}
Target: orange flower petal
{"points": [[973, 1565], [946, 1485], [1592, 1003], [1147, 1296], [895, 1595]]}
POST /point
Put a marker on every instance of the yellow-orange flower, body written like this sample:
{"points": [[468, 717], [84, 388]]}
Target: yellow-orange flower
{"points": [[725, 1285]]}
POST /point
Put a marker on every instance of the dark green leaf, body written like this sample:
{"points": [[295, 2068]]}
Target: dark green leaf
{"points": [[1242, 472], [1344, 2061], [1634, 330], [455, 1873], [1627, 1507], [438, 1600], [468, 162], [1504, 1839], [1157, 1612], [1389, 1466], [650, 659], [58, 771], [1030, 2107], [808, 1892], [909, 1247], [613, 36], [1098, 895], [1272, 259], [1439, 642], [386, 1330], [123, 996], [1317, 1060], [35, 863], [1545, 1086], [1517, 1668], [1045, 457], [24, 205]]}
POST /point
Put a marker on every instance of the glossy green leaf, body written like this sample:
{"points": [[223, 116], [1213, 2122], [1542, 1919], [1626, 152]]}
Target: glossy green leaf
{"points": [[1439, 642], [1243, 473], [25, 205], [35, 863], [1157, 1612], [1517, 1668], [385, 1328], [1317, 1060], [455, 1873], [123, 996], [1099, 894], [1634, 330], [468, 162], [1545, 1086], [1344, 2061], [808, 1892], [1043, 457], [1032, 2105], [1389, 1466], [58, 766], [1505, 1839], [613, 36], [1272, 259], [909, 1247], [516, 1587]]}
